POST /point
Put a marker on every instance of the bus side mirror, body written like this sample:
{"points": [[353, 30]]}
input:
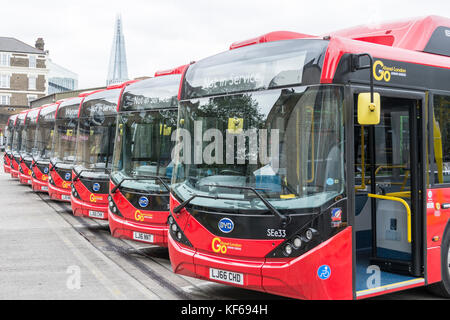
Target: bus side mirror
{"points": [[368, 112]]}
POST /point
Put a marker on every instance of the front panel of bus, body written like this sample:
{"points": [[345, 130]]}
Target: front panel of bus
{"points": [[63, 149], [17, 145], [142, 168], [29, 134], [259, 186], [94, 151], [8, 145], [42, 148]]}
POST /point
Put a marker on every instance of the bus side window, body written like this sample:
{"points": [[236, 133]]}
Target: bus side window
{"points": [[441, 139]]}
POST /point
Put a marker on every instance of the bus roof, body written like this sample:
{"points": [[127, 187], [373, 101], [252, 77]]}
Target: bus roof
{"points": [[338, 46], [269, 37], [177, 70], [426, 34]]}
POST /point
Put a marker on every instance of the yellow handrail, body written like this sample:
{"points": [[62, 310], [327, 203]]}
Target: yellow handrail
{"points": [[363, 163], [408, 209], [310, 109]]}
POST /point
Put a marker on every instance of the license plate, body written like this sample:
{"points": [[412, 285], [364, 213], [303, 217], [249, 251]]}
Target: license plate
{"points": [[96, 214], [65, 197], [44, 188], [143, 237], [226, 276]]}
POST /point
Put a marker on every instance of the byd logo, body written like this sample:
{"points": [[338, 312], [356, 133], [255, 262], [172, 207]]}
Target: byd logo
{"points": [[226, 225]]}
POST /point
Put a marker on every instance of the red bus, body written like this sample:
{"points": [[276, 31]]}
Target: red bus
{"points": [[28, 138], [16, 145], [42, 147], [317, 192], [142, 167], [62, 156], [9, 132], [94, 151]]}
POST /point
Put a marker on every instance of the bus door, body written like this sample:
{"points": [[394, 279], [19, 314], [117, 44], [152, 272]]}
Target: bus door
{"points": [[388, 184]]}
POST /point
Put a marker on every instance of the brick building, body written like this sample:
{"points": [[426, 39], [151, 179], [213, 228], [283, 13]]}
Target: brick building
{"points": [[23, 75]]}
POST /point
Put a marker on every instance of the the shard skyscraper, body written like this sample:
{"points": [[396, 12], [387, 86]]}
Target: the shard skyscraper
{"points": [[118, 70]]}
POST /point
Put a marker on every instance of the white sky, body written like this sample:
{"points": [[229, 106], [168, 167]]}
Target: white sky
{"points": [[165, 34]]}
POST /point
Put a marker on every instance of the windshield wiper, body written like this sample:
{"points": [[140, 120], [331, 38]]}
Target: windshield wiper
{"points": [[284, 219], [142, 178]]}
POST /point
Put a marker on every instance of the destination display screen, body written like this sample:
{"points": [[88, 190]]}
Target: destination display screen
{"points": [[257, 67], [69, 109], [48, 113], [154, 93], [100, 104]]}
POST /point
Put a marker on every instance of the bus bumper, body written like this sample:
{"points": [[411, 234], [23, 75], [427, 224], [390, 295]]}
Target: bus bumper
{"points": [[14, 173], [291, 277], [125, 229], [87, 209], [24, 178], [39, 186], [59, 194]]}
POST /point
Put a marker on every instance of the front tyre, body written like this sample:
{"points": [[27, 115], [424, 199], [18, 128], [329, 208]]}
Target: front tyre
{"points": [[443, 288]]}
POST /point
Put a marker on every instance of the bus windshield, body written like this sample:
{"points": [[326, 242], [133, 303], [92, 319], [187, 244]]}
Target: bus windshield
{"points": [[144, 149], [42, 144], [287, 144], [146, 122], [95, 142], [28, 134]]}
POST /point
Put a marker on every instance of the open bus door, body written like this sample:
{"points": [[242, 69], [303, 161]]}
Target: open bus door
{"points": [[389, 207]]}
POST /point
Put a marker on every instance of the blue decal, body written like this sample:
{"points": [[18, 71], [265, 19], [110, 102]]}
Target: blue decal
{"points": [[324, 272], [143, 202], [96, 187], [68, 176], [226, 225], [330, 181], [45, 170]]}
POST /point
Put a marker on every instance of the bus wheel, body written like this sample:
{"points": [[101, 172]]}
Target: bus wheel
{"points": [[443, 288]]}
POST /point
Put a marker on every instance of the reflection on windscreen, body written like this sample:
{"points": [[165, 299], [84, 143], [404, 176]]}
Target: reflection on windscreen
{"points": [[64, 139], [287, 144], [144, 149], [95, 142], [43, 142]]}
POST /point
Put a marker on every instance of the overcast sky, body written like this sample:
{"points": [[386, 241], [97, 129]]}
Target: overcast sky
{"points": [[165, 34]]}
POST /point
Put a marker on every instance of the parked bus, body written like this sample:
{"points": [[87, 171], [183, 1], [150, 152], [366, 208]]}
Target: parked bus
{"points": [[9, 131], [17, 143], [62, 156], [42, 147], [94, 152], [317, 168], [28, 137], [142, 167]]}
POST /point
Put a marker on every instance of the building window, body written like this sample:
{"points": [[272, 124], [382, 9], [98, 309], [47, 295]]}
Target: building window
{"points": [[4, 99], [30, 98], [4, 80], [4, 59], [32, 61], [31, 83]]}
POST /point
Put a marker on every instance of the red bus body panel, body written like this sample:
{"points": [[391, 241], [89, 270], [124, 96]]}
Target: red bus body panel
{"points": [[97, 202], [437, 220], [139, 220], [60, 189], [6, 163], [290, 277]]}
